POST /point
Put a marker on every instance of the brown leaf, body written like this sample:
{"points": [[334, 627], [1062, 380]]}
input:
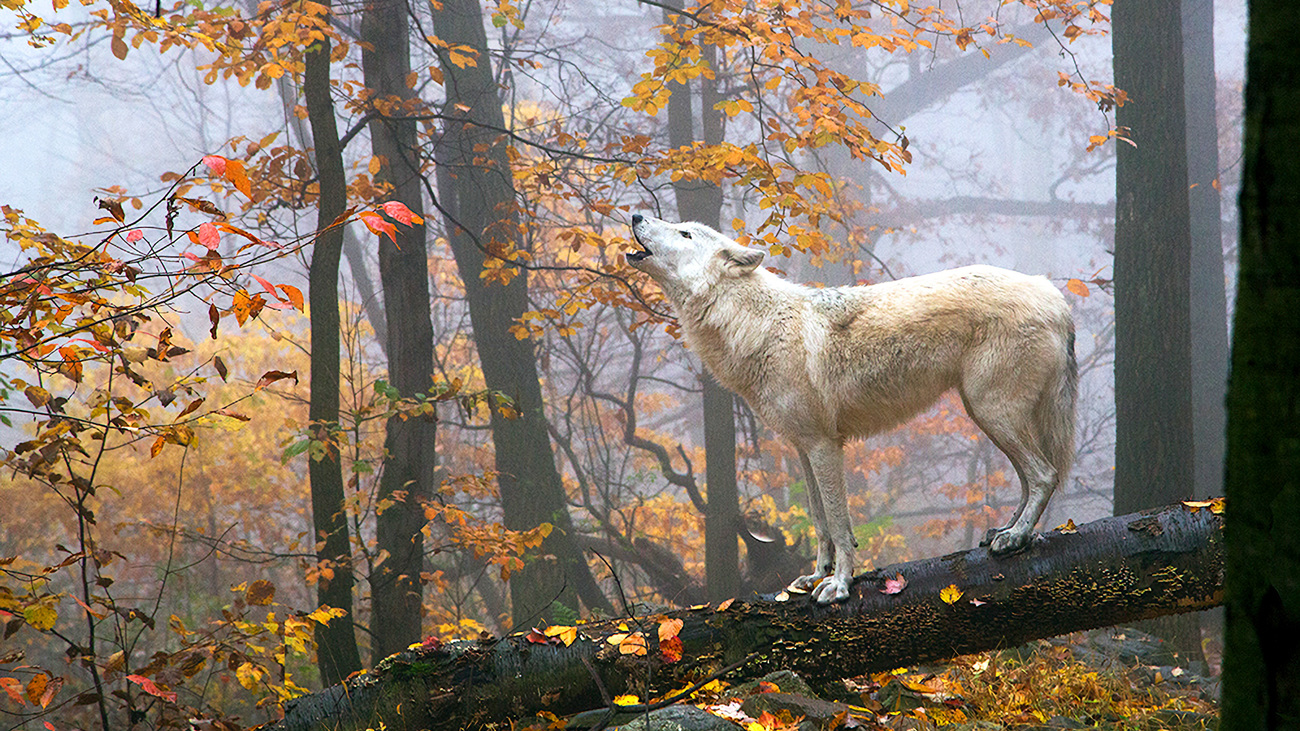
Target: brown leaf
{"points": [[260, 593], [220, 365], [272, 376]]}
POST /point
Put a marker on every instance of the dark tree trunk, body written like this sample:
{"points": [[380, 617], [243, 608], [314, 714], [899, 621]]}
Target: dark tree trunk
{"points": [[477, 197], [336, 643], [1209, 313], [1112, 571], [1261, 666], [1154, 447], [408, 478], [1153, 441], [699, 200]]}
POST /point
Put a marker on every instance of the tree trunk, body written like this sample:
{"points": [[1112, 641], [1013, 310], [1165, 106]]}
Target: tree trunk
{"points": [[408, 477], [336, 643], [1261, 666], [1154, 448], [1111, 571], [1209, 313], [699, 200], [477, 197]]}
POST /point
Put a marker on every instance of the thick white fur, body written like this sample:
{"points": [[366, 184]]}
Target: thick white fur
{"points": [[821, 366]]}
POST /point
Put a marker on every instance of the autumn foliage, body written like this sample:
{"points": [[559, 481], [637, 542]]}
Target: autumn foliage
{"points": [[158, 551]]}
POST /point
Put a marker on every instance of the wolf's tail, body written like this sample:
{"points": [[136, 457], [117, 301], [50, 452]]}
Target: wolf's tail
{"points": [[1059, 413]]}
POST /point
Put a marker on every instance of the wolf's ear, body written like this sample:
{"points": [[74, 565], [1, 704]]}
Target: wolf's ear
{"points": [[742, 260]]}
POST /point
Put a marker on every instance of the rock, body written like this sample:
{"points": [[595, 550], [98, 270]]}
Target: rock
{"points": [[671, 718], [679, 718], [823, 715]]}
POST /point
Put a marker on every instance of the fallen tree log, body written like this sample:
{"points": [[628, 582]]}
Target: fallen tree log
{"points": [[1112, 571]]}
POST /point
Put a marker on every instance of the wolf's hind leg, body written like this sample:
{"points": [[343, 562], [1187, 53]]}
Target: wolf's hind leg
{"points": [[1008, 420], [825, 547]]}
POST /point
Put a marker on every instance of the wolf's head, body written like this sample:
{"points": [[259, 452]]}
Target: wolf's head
{"points": [[685, 258]]}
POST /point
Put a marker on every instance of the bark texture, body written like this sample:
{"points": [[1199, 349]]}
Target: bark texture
{"points": [[1114, 570], [409, 474], [1261, 667], [336, 643], [477, 198]]}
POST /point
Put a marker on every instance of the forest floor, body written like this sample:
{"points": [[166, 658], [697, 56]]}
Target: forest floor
{"points": [[1116, 679]]}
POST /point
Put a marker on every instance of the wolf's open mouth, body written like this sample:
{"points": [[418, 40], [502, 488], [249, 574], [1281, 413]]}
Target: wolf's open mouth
{"points": [[639, 255]]}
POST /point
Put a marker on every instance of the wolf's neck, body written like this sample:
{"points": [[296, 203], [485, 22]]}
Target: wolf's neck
{"points": [[731, 324]]}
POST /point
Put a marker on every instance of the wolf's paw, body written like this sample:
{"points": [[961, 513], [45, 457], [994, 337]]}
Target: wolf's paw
{"points": [[1005, 543], [806, 583], [833, 589]]}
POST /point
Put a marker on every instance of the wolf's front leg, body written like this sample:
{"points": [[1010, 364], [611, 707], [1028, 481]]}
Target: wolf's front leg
{"points": [[825, 547], [826, 462]]}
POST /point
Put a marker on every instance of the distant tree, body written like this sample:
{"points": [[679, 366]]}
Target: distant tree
{"points": [[477, 198], [699, 199], [409, 468], [337, 653], [1154, 454], [1261, 665], [1209, 313]]}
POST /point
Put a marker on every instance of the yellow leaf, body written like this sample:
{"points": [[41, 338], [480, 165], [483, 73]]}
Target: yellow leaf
{"points": [[40, 616], [566, 634], [950, 594], [626, 700], [1068, 527], [248, 675]]}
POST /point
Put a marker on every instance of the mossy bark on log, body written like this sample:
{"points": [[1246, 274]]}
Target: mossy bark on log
{"points": [[1112, 571]]}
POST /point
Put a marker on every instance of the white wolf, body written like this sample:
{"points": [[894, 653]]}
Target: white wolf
{"points": [[821, 366]]}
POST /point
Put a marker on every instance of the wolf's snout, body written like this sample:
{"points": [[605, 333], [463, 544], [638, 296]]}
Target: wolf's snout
{"points": [[637, 218]]}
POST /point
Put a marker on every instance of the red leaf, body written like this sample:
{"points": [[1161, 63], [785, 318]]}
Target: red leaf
{"points": [[671, 649], [536, 637], [894, 585], [14, 688], [267, 286], [398, 211], [134, 235], [209, 236], [272, 376], [152, 688], [216, 164], [378, 226]]}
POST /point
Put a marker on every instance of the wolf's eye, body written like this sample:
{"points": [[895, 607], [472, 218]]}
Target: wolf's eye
{"points": [[686, 234]]}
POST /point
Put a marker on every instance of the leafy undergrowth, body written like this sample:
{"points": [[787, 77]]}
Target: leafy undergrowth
{"points": [[1116, 680]]}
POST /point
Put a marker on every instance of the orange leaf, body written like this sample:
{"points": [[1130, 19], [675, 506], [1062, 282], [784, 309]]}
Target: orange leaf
{"points": [[293, 294], [725, 605], [36, 688], [1078, 287], [669, 628], [156, 447], [235, 174]]}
